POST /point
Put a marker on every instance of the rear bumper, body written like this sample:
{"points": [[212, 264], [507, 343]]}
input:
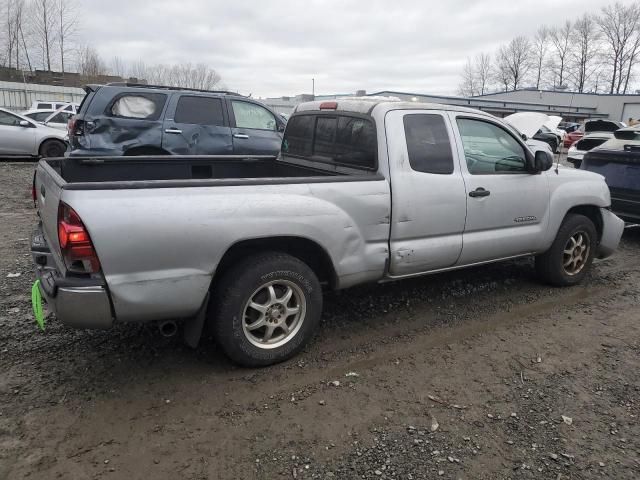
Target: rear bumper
{"points": [[77, 301], [626, 206], [612, 228]]}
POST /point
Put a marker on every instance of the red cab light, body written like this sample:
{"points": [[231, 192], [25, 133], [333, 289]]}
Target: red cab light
{"points": [[329, 106], [75, 243]]}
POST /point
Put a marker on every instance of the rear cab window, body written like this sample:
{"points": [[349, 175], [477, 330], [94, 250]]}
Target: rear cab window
{"points": [[340, 140], [428, 144]]}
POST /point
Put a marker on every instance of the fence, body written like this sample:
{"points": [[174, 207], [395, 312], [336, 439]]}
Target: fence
{"points": [[19, 96]]}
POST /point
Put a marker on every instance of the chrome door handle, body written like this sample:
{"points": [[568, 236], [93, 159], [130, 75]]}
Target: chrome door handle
{"points": [[173, 130], [240, 135], [480, 192]]}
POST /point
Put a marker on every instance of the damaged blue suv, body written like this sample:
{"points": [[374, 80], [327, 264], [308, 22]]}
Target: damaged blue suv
{"points": [[133, 119]]}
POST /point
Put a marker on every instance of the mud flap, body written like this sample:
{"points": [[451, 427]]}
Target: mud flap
{"points": [[194, 325]]}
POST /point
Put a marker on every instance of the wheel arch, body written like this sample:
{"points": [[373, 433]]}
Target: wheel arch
{"points": [[304, 249]]}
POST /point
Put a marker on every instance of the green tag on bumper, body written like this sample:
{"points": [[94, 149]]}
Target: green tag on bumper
{"points": [[36, 303]]}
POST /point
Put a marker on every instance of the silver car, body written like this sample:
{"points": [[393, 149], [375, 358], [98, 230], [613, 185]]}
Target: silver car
{"points": [[22, 137]]}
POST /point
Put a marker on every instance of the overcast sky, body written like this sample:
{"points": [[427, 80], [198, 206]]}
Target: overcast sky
{"points": [[274, 48]]}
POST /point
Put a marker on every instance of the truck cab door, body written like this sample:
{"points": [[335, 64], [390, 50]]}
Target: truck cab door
{"points": [[507, 207], [196, 125], [256, 130], [428, 193]]}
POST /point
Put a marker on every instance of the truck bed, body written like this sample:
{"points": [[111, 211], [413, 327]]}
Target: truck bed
{"points": [[173, 171]]}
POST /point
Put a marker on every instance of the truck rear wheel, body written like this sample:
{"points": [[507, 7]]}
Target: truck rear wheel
{"points": [[266, 309], [568, 260]]}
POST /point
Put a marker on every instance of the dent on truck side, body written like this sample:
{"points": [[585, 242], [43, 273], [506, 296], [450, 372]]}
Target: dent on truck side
{"points": [[159, 248]]}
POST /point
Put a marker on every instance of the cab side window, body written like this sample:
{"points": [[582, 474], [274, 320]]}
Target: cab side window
{"points": [[490, 149]]}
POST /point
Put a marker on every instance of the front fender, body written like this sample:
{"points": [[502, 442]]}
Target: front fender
{"points": [[570, 189]]}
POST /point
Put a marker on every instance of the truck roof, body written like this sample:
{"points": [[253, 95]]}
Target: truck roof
{"points": [[366, 105]]}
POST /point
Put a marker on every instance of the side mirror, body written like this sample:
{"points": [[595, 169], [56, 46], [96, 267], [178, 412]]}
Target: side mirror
{"points": [[24, 123], [543, 161], [524, 137]]}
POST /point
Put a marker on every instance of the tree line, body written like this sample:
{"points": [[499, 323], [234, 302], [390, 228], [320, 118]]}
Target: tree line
{"points": [[45, 35], [596, 53]]}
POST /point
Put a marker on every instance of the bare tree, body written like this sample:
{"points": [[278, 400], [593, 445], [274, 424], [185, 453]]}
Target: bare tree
{"points": [[483, 71], [540, 46], [66, 17], [89, 62], [514, 62], [468, 84], [584, 52], [619, 26], [117, 67], [561, 42], [44, 17], [14, 15]]}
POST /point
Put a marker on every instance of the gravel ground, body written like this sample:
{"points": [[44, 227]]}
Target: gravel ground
{"points": [[477, 374]]}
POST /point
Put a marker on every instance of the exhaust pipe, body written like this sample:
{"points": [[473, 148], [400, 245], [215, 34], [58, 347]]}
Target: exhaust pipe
{"points": [[168, 328]]}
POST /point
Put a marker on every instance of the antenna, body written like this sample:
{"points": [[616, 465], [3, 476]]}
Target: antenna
{"points": [[559, 157]]}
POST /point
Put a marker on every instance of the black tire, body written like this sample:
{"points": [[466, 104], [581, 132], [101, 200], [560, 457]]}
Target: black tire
{"points": [[550, 266], [52, 148], [249, 281]]}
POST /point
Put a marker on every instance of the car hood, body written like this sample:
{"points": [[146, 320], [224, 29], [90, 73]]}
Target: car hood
{"points": [[553, 122], [527, 122], [601, 126]]}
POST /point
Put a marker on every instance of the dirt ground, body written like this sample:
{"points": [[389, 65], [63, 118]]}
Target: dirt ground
{"points": [[478, 374]]}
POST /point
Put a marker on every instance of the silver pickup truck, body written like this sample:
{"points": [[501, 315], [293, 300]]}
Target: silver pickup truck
{"points": [[362, 191]]}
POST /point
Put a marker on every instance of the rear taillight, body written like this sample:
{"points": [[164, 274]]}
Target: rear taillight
{"points": [[75, 243], [74, 127]]}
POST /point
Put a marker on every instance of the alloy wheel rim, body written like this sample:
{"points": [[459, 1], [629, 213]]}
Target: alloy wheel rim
{"points": [[576, 252], [274, 314]]}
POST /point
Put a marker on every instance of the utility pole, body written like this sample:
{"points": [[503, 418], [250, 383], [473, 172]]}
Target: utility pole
{"points": [[313, 87]]}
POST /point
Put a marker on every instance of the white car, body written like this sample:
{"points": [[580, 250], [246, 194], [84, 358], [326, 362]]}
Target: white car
{"points": [[58, 119], [22, 137], [596, 132]]}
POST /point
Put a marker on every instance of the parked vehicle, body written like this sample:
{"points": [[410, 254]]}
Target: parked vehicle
{"points": [[22, 137], [568, 127], [52, 106], [362, 191], [593, 126], [58, 119], [533, 125], [618, 160], [129, 119], [547, 136], [573, 137], [526, 124], [553, 125], [576, 152], [595, 132]]}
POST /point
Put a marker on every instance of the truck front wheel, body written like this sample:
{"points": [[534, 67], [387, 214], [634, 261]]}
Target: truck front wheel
{"points": [[265, 309], [571, 254]]}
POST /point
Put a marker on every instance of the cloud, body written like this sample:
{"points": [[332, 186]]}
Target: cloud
{"points": [[275, 48]]}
